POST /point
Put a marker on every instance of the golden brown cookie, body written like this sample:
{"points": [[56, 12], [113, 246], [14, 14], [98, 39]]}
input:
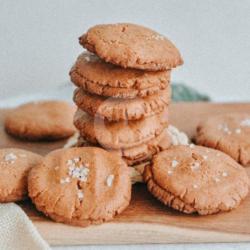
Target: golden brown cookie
{"points": [[229, 133], [105, 79], [80, 186], [131, 46], [15, 165], [44, 120], [138, 154], [94, 70], [117, 109], [196, 179], [123, 134]]}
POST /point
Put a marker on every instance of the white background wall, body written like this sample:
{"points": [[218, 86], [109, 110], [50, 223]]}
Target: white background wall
{"points": [[38, 41]]}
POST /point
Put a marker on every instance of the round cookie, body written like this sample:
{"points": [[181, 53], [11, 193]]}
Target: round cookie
{"points": [[94, 70], [15, 165], [44, 120], [123, 134], [116, 109], [229, 133], [196, 179], [140, 153], [131, 46], [105, 79], [80, 186]]}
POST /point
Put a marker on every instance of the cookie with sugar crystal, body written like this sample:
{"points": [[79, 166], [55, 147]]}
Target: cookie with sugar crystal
{"points": [[43, 120], [123, 134], [229, 133], [131, 46], [104, 79], [117, 109], [15, 165], [195, 179], [80, 186], [138, 154]]}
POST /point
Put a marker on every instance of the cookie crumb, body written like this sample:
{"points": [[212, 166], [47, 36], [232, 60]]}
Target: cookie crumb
{"points": [[109, 180]]}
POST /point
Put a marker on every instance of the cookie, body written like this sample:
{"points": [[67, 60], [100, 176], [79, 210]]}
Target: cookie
{"points": [[229, 133], [105, 79], [15, 165], [195, 179], [123, 134], [80, 186], [94, 70], [108, 91], [117, 109], [131, 46], [44, 120], [141, 153]]}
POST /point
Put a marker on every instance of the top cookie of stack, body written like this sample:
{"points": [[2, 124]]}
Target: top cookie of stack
{"points": [[123, 85]]}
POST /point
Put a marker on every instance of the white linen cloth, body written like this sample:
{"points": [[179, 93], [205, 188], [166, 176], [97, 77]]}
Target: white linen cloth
{"points": [[17, 230]]}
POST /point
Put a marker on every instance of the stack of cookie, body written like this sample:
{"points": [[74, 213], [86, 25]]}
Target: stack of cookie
{"points": [[124, 90]]}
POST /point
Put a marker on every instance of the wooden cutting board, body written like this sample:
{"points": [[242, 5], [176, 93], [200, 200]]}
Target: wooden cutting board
{"points": [[146, 220]]}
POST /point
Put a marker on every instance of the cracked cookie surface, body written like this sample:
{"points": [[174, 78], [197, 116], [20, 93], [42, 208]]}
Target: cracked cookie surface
{"points": [[117, 109], [229, 133], [43, 120], [196, 179], [131, 46], [123, 134], [15, 165], [80, 186]]}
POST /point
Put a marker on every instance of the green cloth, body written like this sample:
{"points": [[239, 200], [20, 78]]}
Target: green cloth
{"points": [[183, 93]]}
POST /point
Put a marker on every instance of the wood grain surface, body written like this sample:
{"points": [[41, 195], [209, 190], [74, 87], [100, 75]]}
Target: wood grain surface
{"points": [[146, 220]]}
